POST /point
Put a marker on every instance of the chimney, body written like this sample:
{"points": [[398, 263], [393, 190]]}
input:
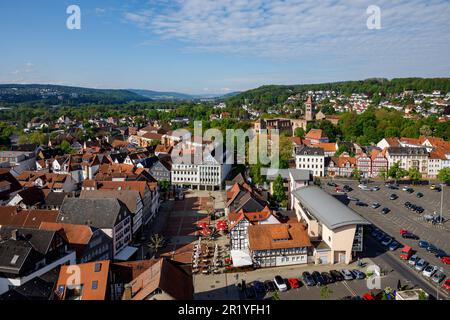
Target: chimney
{"points": [[127, 293], [15, 234]]}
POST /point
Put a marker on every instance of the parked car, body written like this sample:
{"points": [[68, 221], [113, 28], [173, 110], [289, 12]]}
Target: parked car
{"points": [[394, 245], [327, 277], [352, 198], [364, 187], [429, 270], [375, 188], [423, 244], [440, 253], [361, 204], [279, 282], [293, 283], [409, 235], [445, 260], [308, 279], [375, 205], [339, 190], [413, 260], [380, 236], [407, 204], [421, 264], [432, 248], [259, 287], [358, 274], [336, 275], [433, 187], [332, 184], [438, 277], [419, 195], [392, 186], [270, 286], [347, 274], [393, 196], [385, 210], [250, 292], [446, 285], [318, 278], [347, 188]]}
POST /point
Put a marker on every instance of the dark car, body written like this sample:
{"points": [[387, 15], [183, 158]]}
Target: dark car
{"points": [[409, 235], [250, 293], [269, 286], [419, 195], [393, 196], [361, 204], [327, 277], [385, 210], [423, 244], [407, 204], [440, 253], [347, 188], [332, 184], [259, 287], [318, 278], [420, 209], [336, 275], [308, 279]]}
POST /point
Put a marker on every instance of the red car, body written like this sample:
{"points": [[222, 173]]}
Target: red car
{"points": [[446, 284], [339, 190], [293, 283], [368, 296], [403, 231], [445, 260]]}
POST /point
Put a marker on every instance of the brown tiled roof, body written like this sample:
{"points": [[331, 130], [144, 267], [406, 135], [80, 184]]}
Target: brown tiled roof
{"points": [[87, 277], [314, 134], [75, 234], [277, 236], [164, 275], [11, 216], [327, 146]]}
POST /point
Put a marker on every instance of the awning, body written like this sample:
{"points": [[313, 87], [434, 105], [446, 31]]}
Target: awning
{"points": [[241, 258], [125, 253]]}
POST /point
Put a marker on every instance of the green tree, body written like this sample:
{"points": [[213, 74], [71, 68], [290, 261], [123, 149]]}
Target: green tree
{"points": [[356, 174], [299, 132], [279, 195], [414, 174], [444, 175], [382, 174], [65, 147], [396, 172], [325, 292]]}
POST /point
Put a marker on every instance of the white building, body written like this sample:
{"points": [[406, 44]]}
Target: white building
{"points": [[310, 158]]}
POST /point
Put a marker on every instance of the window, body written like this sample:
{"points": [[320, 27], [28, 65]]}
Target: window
{"points": [[94, 285], [14, 259], [61, 289], [98, 267]]}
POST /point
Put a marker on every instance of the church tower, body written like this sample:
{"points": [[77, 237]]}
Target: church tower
{"points": [[309, 109]]}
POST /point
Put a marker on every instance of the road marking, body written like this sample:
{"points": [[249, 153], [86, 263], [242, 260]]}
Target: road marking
{"points": [[348, 288]]}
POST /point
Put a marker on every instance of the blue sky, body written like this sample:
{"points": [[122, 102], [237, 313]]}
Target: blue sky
{"points": [[218, 46]]}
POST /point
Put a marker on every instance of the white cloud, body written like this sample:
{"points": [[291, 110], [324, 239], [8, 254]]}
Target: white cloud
{"points": [[286, 29]]}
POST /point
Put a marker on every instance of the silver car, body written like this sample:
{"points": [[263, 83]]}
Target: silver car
{"points": [[413, 260], [438, 277], [421, 264], [429, 271], [347, 274]]}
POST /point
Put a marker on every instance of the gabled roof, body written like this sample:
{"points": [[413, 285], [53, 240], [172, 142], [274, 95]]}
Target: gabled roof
{"points": [[91, 272], [75, 234], [99, 213], [315, 134], [128, 197], [327, 209], [278, 236], [165, 275]]}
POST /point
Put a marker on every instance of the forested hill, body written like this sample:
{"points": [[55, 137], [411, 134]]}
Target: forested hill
{"points": [[54, 94], [274, 94]]}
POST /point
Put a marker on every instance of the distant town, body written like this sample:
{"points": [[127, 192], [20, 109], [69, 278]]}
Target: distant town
{"points": [[356, 210]]}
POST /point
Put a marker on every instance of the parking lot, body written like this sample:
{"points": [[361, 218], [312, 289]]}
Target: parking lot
{"points": [[400, 217]]}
